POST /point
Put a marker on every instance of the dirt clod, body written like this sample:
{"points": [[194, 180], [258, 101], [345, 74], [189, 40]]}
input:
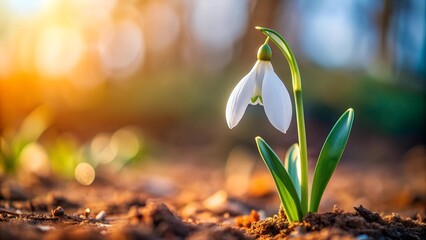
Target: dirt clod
{"points": [[134, 215], [368, 215], [162, 221], [246, 221], [58, 212]]}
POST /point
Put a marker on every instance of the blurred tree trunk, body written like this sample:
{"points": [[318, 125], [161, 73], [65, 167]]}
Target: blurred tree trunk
{"points": [[262, 13], [385, 18]]}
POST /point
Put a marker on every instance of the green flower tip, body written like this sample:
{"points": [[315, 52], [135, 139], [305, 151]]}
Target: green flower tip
{"points": [[258, 138], [254, 100], [258, 28], [264, 53]]}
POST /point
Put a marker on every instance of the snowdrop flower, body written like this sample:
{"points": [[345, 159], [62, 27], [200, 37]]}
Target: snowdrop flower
{"points": [[261, 86]]}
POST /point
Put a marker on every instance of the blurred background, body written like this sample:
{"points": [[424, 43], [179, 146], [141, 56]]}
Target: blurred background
{"points": [[114, 82]]}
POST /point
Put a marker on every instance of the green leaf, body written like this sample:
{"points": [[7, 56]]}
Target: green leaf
{"points": [[283, 183], [292, 165], [329, 157]]}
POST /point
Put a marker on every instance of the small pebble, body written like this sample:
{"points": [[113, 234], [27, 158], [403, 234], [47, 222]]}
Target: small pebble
{"points": [[58, 212], [101, 216], [362, 237], [45, 228], [87, 212]]}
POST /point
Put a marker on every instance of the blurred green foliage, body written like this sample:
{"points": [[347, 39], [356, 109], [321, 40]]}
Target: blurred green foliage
{"points": [[60, 155], [12, 142]]}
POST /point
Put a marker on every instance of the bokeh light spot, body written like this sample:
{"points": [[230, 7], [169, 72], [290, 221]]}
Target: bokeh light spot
{"points": [[84, 174], [58, 50], [94, 12], [126, 143], [121, 48], [101, 149], [162, 25], [219, 23], [34, 159], [25, 7], [329, 51]]}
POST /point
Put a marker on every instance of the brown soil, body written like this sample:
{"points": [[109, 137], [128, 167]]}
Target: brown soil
{"points": [[361, 224], [156, 201], [191, 208]]}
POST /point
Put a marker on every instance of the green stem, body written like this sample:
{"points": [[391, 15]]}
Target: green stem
{"points": [[300, 117], [301, 131], [267, 40]]}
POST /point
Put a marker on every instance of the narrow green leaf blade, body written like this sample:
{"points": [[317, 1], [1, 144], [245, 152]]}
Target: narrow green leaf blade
{"points": [[292, 165], [329, 157], [283, 183]]}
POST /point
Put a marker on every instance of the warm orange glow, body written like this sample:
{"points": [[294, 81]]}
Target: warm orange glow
{"points": [[58, 50]]}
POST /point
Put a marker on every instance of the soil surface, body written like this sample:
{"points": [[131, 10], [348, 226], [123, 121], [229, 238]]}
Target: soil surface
{"points": [[154, 207]]}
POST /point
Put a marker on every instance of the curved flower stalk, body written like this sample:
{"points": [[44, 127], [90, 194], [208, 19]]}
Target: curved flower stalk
{"points": [[261, 86]]}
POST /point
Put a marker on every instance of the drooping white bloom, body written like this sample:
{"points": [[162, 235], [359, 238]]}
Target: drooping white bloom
{"points": [[261, 86]]}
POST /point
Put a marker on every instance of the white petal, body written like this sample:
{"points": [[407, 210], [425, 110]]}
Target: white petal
{"points": [[240, 98], [276, 101], [261, 67]]}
